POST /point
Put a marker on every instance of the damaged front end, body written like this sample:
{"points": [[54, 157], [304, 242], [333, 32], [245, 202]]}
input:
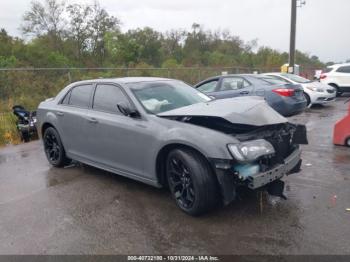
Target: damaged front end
{"points": [[268, 146], [262, 158]]}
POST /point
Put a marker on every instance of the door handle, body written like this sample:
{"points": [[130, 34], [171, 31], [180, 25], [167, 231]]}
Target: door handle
{"points": [[92, 120], [244, 92], [60, 114]]}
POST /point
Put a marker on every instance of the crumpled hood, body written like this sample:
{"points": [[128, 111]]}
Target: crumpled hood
{"points": [[239, 110]]}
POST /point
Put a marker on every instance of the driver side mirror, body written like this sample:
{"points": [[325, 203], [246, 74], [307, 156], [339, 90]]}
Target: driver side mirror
{"points": [[125, 109]]}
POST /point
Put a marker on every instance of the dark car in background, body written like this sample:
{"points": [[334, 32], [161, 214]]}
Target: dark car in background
{"points": [[287, 99]]}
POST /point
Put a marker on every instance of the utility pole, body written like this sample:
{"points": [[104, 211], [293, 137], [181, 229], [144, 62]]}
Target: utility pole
{"points": [[293, 23]]}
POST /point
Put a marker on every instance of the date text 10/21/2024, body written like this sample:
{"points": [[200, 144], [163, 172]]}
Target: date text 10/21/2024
{"points": [[173, 258]]}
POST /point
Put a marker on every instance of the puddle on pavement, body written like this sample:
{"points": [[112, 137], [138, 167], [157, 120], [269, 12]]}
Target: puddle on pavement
{"points": [[52, 182], [3, 159], [56, 177], [24, 154], [13, 156], [342, 157]]}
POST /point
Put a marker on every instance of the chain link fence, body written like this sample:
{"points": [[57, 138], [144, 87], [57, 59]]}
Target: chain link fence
{"points": [[29, 86]]}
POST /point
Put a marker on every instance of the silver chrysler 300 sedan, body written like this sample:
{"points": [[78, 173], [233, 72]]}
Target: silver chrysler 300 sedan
{"points": [[163, 132]]}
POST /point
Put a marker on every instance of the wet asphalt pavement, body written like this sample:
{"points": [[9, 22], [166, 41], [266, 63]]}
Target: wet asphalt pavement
{"points": [[83, 210]]}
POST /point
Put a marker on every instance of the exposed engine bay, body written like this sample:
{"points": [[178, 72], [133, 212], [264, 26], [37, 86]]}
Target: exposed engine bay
{"points": [[284, 137]]}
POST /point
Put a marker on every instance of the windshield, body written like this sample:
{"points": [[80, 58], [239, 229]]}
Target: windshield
{"points": [[161, 96], [296, 78]]}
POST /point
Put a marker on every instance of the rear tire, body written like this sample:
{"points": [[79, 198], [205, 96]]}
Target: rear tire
{"points": [[25, 136], [191, 181], [339, 93], [54, 150]]}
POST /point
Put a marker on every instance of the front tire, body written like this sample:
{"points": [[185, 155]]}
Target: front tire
{"points": [[54, 149], [191, 181], [308, 100]]}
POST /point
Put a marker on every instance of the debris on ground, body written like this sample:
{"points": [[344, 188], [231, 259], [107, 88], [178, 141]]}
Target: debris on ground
{"points": [[334, 200]]}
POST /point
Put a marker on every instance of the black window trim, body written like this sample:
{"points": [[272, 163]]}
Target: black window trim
{"points": [[69, 92], [132, 105], [64, 97]]}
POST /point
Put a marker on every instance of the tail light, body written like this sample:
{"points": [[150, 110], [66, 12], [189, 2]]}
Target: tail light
{"points": [[323, 76], [284, 91]]}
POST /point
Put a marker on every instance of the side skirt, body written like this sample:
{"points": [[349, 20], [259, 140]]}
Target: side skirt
{"points": [[115, 171]]}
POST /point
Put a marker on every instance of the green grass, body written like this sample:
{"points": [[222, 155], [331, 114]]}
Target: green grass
{"points": [[8, 129]]}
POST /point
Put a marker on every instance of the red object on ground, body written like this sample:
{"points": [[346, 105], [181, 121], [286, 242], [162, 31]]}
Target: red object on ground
{"points": [[341, 133]]}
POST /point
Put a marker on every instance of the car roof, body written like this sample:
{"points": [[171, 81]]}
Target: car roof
{"points": [[228, 75], [272, 73], [124, 80], [238, 75], [339, 65]]}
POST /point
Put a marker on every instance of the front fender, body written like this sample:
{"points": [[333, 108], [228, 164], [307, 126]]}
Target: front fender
{"points": [[210, 143]]}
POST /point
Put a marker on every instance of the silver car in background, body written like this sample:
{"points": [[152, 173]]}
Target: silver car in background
{"points": [[165, 133], [314, 91]]}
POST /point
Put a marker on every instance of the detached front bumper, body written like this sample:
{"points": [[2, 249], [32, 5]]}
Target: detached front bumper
{"points": [[262, 179], [229, 181]]}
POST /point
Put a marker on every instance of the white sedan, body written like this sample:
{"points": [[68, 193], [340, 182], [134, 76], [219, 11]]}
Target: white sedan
{"points": [[314, 92]]}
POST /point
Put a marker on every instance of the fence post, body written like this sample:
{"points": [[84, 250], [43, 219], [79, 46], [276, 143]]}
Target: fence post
{"points": [[69, 77]]}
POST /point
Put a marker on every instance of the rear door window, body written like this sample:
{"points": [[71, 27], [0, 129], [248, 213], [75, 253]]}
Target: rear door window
{"points": [[233, 83], [208, 86], [107, 97], [79, 96]]}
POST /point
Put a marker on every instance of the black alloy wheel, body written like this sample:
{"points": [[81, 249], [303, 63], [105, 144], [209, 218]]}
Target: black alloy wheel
{"points": [[54, 150], [192, 181], [180, 182]]}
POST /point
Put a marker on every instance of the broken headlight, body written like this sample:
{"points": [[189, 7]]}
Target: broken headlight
{"points": [[251, 150]]}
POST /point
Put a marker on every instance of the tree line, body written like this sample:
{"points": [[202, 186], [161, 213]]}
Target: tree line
{"points": [[57, 34]]}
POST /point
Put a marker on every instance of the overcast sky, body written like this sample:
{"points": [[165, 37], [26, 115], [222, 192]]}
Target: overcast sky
{"points": [[323, 25]]}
